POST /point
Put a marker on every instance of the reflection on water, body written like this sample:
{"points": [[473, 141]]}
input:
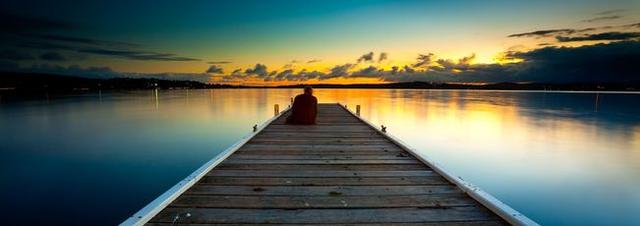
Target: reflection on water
{"points": [[560, 158]]}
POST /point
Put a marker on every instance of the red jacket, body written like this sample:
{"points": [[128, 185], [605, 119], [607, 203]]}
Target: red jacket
{"points": [[304, 110]]}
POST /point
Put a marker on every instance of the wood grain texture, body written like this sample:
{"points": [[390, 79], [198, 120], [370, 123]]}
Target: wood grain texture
{"points": [[303, 216], [324, 202], [337, 172], [323, 181]]}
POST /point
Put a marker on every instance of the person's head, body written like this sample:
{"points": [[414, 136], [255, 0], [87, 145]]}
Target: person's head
{"points": [[308, 90]]}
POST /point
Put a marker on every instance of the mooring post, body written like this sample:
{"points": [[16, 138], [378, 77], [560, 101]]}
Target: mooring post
{"points": [[358, 110], [276, 109], [292, 100], [345, 106], [384, 128], [255, 127]]}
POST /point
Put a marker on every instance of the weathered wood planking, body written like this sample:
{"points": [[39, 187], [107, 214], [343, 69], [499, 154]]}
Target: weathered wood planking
{"points": [[339, 171]]}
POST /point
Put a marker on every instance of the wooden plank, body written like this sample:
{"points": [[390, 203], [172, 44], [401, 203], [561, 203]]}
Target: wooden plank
{"points": [[319, 135], [316, 202], [333, 147], [317, 128], [325, 117], [328, 118], [203, 189], [285, 161], [310, 127], [339, 171], [441, 223], [314, 141], [322, 123], [373, 140], [299, 167], [324, 181], [321, 129], [317, 173], [303, 216], [320, 157], [315, 152]]}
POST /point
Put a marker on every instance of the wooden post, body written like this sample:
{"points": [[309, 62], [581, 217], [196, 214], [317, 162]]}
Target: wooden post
{"points": [[384, 128], [276, 109], [358, 110], [255, 128], [291, 100]]}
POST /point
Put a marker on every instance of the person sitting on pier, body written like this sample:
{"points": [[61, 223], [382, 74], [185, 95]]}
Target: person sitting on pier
{"points": [[304, 109]]}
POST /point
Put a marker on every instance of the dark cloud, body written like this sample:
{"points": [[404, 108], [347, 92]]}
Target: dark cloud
{"points": [[607, 36], [106, 72], [137, 55], [79, 40], [451, 65], [368, 72], [408, 69], [125, 53], [313, 61], [214, 69], [338, 71], [567, 32], [367, 57], [260, 70], [383, 56], [285, 75], [291, 75], [404, 70], [467, 60], [306, 75], [613, 11], [601, 18], [219, 62], [52, 56], [610, 62], [45, 46], [13, 55], [542, 33], [235, 74], [613, 62], [424, 60], [28, 33]]}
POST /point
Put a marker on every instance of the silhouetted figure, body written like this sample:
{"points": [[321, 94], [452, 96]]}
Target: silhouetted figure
{"points": [[304, 109]]}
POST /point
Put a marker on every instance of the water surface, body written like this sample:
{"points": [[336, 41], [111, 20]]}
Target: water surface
{"points": [[567, 158]]}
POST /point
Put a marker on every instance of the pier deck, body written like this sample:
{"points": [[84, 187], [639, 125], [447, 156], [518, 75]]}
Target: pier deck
{"points": [[340, 171]]}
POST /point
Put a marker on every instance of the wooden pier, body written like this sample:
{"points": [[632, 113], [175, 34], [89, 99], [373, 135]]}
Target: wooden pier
{"points": [[340, 171]]}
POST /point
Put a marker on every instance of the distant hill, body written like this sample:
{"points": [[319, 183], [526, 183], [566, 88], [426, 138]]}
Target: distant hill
{"points": [[36, 82], [494, 86], [25, 82]]}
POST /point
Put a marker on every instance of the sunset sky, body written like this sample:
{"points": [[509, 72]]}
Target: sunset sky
{"points": [[278, 42]]}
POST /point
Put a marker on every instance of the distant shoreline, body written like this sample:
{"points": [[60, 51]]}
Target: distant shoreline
{"points": [[33, 83]]}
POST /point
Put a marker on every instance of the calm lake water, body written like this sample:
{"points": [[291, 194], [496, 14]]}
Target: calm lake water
{"points": [[559, 158]]}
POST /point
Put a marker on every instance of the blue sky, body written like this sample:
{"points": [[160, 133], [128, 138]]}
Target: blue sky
{"points": [[281, 33]]}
